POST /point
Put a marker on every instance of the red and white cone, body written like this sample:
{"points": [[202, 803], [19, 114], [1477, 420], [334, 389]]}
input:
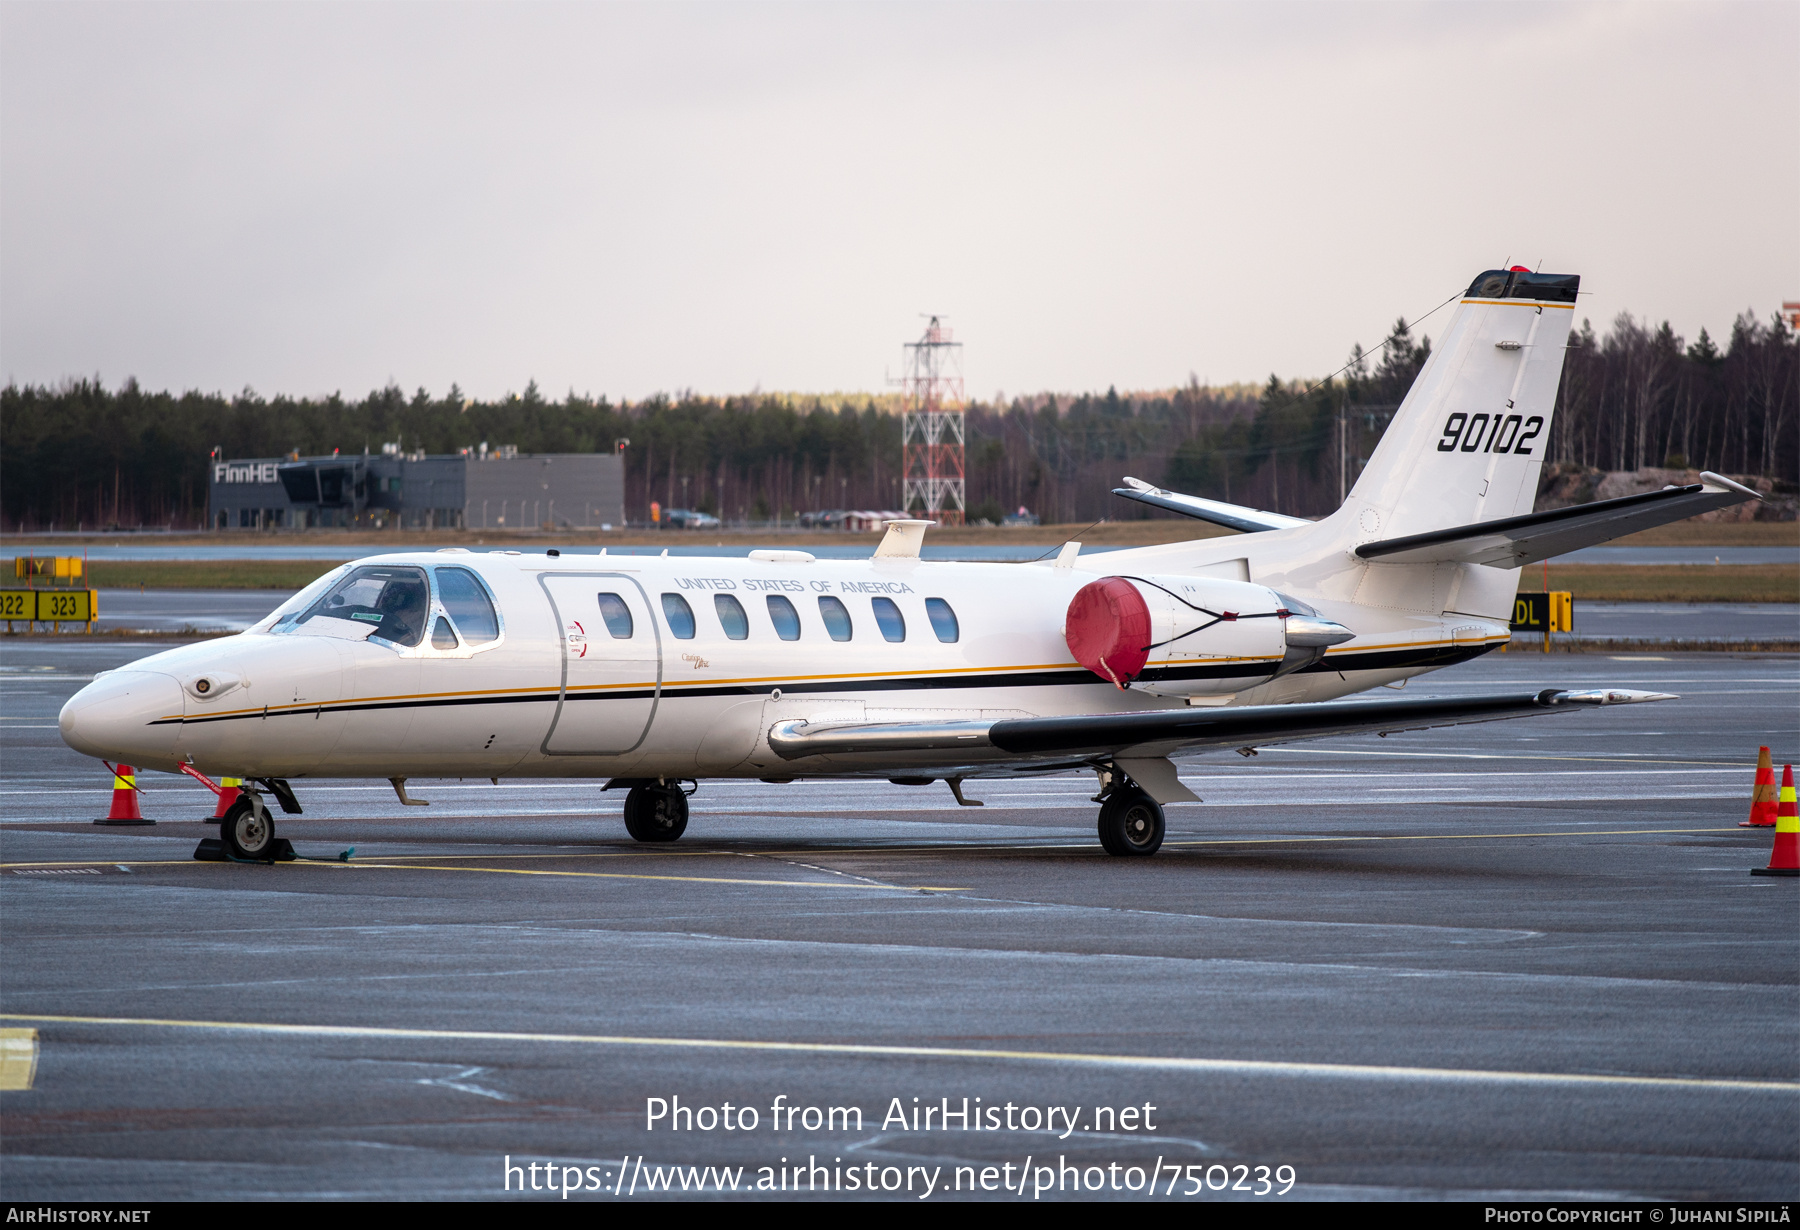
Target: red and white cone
{"points": [[1784, 859], [1762, 795], [125, 799]]}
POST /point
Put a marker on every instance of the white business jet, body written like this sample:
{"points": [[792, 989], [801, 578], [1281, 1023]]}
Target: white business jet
{"points": [[655, 673]]}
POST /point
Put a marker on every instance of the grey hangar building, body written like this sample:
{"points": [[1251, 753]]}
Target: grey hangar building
{"points": [[470, 490]]}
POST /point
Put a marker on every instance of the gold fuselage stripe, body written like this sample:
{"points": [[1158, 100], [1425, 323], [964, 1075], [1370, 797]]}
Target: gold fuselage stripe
{"points": [[675, 687]]}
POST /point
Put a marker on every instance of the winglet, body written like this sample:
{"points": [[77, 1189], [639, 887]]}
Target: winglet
{"points": [[1719, 480], [1603, 696], [903, 539]]}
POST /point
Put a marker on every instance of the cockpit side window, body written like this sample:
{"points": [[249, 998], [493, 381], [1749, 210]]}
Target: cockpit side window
{"points": [[394, 599], [442, 636], [468, 605]]}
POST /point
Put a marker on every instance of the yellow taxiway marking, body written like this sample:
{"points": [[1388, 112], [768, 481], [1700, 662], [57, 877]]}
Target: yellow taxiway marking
{"points": [[1620, 761], [390, 858], [403, 862], [626, 875], [18, 1058], [379, 864], [1257, 1067], [1259, 841]]}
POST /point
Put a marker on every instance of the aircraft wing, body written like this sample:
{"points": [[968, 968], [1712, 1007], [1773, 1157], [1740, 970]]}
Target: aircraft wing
{"points": [[1232, 516], [1515, 541], [1163, 731]]}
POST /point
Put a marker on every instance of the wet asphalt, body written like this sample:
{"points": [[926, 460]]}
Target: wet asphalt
{"points": [[1516, 960]]}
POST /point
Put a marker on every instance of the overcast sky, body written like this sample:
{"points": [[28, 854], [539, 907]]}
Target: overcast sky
{"points": [[632, 198]]}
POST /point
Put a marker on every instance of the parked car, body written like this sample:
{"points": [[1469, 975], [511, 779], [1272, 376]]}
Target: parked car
{"points": [[689, 519]]}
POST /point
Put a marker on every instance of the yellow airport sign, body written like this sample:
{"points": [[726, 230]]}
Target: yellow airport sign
{"points": [[59, 567], [52, 606]]}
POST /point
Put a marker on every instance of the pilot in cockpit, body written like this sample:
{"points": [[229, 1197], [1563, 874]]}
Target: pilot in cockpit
{"points": [[402, 604]]}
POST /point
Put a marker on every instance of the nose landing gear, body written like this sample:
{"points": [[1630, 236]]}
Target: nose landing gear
{"points": [[656, 811], [248, 830]]}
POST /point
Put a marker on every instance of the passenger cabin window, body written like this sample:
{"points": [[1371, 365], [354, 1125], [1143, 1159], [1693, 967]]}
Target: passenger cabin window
{"points": [[442, 637], [943, 620], [785, 618], [617, 616], [889, 619], [732, 617], [680, 616], [468, 605], [393, 600], [836, 617]]}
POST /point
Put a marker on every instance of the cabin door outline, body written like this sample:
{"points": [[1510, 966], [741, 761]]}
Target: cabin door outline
{"points": [[594, 723]]}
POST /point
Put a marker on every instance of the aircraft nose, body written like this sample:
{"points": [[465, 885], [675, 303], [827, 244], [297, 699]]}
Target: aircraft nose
{"points": [[126, 716]]}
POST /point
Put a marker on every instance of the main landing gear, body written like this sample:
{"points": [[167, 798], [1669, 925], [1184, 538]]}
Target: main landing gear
{"points": [[656, 811], [1131, 822]]}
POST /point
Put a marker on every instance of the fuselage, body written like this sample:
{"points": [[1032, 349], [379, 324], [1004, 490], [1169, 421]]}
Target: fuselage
{"points": [[636, 666]]}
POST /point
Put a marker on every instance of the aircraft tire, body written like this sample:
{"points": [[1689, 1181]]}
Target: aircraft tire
{"points": [[656, 813], [1131, 823], [247, 830]]}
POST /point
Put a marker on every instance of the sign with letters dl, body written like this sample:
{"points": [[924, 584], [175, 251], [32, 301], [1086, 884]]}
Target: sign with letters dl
{"points": [[1551, 612]]}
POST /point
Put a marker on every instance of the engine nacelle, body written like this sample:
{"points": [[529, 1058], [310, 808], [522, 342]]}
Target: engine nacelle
{"points": [[1193, 636]]}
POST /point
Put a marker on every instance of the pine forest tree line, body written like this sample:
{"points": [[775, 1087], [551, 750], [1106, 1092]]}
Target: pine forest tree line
{"points": [[1635, 396]]}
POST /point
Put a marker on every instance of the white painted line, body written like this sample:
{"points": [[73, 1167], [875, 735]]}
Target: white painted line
{"points": [[1243, 1067]]}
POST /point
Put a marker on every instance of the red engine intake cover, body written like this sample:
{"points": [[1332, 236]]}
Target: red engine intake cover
{"points": [[1108, 629]]}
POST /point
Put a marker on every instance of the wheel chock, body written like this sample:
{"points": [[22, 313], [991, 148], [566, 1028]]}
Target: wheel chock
{"points": [[212, 850]]}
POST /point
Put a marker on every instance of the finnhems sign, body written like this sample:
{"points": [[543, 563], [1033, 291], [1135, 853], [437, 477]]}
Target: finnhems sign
{"points": [[246, 472]]}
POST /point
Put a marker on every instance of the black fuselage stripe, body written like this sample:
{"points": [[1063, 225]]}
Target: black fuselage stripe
{"points": [[1440, 655]]}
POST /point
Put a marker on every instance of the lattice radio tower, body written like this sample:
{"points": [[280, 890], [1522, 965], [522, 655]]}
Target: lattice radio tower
{"points": [[932, 435]]}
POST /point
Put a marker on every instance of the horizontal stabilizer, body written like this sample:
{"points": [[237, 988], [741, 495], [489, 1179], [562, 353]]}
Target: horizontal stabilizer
{"points": [[1231, 516], [1145, 735], [1516, 541]]}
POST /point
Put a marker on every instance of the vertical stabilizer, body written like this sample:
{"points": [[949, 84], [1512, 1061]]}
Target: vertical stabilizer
{"points": [[1468, 442]]}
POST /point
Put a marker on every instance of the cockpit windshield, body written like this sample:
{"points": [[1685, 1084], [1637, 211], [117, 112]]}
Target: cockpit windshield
{"points": [[391, 601], [282, 618]]}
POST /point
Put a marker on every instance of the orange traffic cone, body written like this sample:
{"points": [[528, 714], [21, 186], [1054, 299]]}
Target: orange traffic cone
{"points": [[1784, 859], [1762, 795], [228, 794], [125, 801]]}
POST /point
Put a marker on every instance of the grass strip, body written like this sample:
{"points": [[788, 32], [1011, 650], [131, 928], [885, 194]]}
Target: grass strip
{"points": [[206, 574], [1669, 582]]}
